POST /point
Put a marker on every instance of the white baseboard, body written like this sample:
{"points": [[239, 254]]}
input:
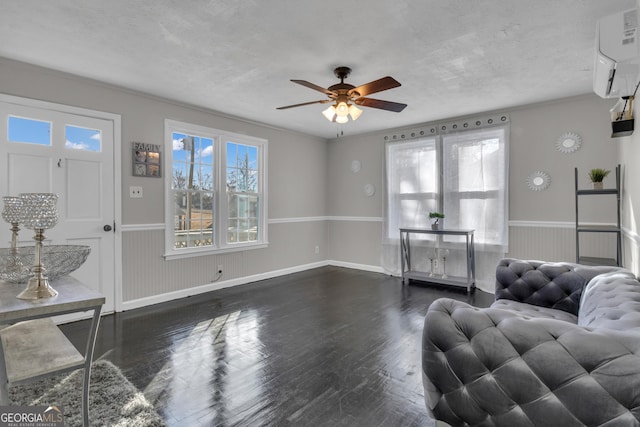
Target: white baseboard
{"points": [[364, 267], [197, 290]]}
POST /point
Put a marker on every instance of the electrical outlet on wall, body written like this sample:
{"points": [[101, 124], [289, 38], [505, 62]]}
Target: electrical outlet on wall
{"points": [[135, 192], [435, 264]]}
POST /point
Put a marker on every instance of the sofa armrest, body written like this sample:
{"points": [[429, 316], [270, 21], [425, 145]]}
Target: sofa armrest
{"points": [[556, 285], [611, 301], [487, 366]]}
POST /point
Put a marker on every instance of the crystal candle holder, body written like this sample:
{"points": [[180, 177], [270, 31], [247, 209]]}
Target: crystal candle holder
{"points": [[445, 254], [39, 213], [431, 254], [11, 213]]}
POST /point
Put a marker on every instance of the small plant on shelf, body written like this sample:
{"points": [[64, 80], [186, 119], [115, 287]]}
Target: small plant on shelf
{"points": [[597, 175], [435, 218]]}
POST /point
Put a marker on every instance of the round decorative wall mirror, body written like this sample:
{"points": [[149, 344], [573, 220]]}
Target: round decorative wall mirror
{"points": [[369, 190], [568, 142], [538, 181]]}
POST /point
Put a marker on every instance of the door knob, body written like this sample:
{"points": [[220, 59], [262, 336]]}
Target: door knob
{"points": [[107, 228]]}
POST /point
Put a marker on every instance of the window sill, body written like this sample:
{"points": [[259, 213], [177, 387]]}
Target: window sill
{"points": [[213, 251]]}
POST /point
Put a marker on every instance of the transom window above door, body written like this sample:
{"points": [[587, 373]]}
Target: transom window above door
{"points": [[29, 131], [80, 138], [24, 130]]}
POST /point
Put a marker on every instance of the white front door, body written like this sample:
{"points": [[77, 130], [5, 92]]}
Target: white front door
{"points": [[58, 149]]}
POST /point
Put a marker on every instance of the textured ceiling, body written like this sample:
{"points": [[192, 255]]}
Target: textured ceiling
{"points": [[453, 57]]}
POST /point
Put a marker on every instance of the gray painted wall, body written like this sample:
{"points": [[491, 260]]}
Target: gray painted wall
{"points": [[316, 200], [534, 131]]}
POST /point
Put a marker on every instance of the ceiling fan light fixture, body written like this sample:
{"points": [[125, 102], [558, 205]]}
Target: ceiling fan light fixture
{"points": [[343, 96], [354, 112], [330, 113], [342, 110]]}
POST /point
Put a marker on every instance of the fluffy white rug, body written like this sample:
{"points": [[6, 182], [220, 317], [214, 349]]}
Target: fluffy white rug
{"points": [[113, 400]]}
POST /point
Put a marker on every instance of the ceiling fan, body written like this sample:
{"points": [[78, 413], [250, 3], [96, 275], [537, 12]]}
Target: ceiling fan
{"points": [[345, 97]]}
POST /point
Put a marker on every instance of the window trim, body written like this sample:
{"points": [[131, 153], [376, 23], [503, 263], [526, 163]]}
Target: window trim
{"points": [[220, 199]]}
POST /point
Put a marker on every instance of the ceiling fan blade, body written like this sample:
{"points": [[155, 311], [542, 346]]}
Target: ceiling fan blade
{"points": [[378, 103], [314, 87], [375, 86], [324, 101]]}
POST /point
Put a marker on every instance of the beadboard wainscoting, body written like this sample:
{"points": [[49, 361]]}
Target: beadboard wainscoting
{"points": [[555, 241], [148, 278], [343, 241]]}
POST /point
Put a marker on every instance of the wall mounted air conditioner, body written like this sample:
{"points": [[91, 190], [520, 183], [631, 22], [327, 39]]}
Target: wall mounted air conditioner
{"points": [[617, 61]]}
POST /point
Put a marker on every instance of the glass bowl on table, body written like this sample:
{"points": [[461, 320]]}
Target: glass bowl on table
{"points": [[58, 260]]}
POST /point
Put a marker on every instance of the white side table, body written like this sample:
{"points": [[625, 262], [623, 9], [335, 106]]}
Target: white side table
{"points": [[33, 347]]}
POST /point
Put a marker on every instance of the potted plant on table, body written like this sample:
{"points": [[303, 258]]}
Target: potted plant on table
{"points": [[597, 175], [435, 218]]}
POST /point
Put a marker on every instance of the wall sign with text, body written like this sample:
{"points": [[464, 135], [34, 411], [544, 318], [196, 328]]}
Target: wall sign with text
{"points": [[146, 160]]}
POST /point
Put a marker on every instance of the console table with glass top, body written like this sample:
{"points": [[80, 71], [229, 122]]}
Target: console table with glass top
{"points": [[33, 347], [408, 273]]}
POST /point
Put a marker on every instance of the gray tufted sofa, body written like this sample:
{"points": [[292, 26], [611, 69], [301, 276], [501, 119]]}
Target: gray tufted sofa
{"points": [[560, 346]]}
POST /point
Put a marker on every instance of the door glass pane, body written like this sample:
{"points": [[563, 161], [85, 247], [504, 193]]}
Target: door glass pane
{"points": [[29, 131], [79, 138]]}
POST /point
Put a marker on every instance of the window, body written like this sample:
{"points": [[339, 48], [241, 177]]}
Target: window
{"points": [[242, 192], [192, 185], [216, 190], [474, 183], [463, 174], [412, 183], [80, 138], [29, 131]]}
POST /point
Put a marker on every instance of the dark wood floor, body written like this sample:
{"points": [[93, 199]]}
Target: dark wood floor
{"points": [[325, 347]]}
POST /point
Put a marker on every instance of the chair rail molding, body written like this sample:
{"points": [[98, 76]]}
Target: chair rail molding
{"points": [[290, 220]]}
